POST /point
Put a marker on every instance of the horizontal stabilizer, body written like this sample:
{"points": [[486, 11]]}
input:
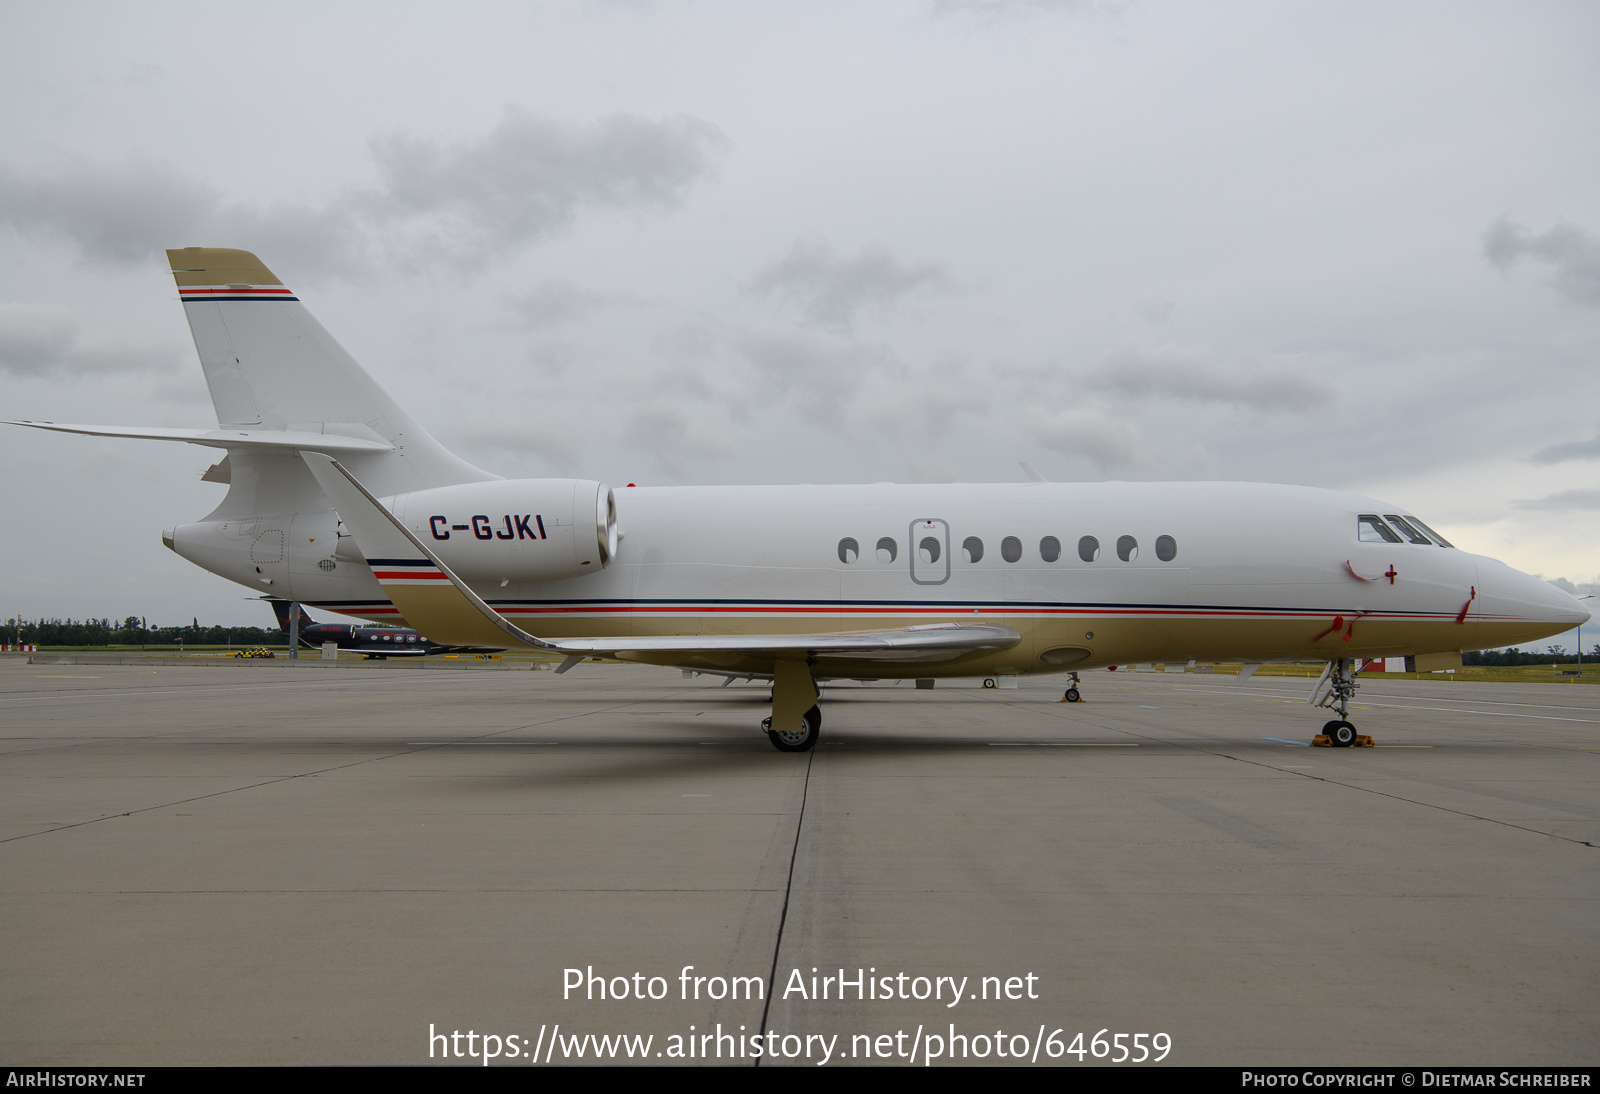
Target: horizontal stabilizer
{"points": [[224, 438]]}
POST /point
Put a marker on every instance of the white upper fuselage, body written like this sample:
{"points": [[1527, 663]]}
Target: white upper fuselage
{"points": [[1257, 572]]}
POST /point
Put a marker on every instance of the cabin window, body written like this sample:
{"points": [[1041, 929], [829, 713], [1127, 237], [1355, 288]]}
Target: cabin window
{"points": [[1049, 548], [887, 551], [849, 550], [1166, 548], [1437, 538], [1371, 529], [972, 549], [929, 550], [1011, 548], [1088, 548], [1406, 530], [1127, 548]]}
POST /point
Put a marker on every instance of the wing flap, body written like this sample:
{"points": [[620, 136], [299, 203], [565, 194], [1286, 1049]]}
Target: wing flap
{"points": [[899, 644]]}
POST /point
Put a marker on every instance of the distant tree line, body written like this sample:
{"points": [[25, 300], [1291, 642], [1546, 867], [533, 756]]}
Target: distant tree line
{"points": [[132, 631], [1514, 656]]}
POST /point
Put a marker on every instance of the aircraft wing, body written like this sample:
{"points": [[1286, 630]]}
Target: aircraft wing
{"points": [[438, 603], [223, 438], [928, 642]]}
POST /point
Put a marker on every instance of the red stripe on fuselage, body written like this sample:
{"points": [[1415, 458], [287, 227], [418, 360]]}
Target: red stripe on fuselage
{"points": [[235, 292]]}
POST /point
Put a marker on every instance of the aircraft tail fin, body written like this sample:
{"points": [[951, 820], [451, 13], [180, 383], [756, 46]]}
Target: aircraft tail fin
{"points": [[272, 367], [280, 608]]}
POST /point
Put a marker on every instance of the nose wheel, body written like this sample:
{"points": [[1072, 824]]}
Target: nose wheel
{"points": [[799, 738], [1334, 691], [1072, 694], [1340, 734]]}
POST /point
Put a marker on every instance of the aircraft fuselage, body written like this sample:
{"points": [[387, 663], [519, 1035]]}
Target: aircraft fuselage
{"points": [[1089, 574]]}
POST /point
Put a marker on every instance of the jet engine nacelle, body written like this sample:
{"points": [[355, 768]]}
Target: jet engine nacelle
{"points": [[515, 529]]}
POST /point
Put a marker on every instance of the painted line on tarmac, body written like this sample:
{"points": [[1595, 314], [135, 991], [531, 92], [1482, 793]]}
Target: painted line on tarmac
{"points": [[1371, 705]]}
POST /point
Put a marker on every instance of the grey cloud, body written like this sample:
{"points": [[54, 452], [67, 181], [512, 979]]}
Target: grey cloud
{"points": [[553, 303], [1111, 445], [817, 376], [1194, 375], [1571, 253], [993, 11], [1563, 502], [1158, 313], [132, 213], [38, 341], [1569, 450], [831, 289], [1580, 588], [686, 341], [675, 437], [529, 176], [126, 214], [525, 180]]}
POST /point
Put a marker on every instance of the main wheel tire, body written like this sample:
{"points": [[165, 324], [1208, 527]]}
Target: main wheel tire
{"points": [[802, 738], [988, 682], [1072, 695], [1342, 734]]}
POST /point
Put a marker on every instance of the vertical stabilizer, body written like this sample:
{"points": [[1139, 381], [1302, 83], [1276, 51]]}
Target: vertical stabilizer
{"points": [[280, 608], [270, 365]]}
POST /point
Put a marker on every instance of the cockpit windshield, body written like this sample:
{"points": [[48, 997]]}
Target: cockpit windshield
{"points": [[1371, 529], [1407, 530], [1437, 538]]}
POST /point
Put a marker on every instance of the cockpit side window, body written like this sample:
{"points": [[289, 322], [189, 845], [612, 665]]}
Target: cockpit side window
{"points": [[1437, 538], [1406, 530], [1371, 529]]}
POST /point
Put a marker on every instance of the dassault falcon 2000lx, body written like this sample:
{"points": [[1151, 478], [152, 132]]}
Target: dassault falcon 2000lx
{"points": [[337, 498]]}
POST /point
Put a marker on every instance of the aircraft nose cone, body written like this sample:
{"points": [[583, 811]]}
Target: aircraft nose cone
{"points": [[1524, 603], [1577, 616]]}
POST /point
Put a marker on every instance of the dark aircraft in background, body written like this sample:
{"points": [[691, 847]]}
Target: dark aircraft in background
{"points": [[372, 639]]}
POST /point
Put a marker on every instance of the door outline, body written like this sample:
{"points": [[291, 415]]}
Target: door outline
{"points": [[936, 572]]}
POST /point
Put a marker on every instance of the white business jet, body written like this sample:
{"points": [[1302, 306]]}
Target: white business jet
{"points": [[339, 499]]}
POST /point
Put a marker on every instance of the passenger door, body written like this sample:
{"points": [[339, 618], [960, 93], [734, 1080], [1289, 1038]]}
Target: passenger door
{"points": [[928, 544]]}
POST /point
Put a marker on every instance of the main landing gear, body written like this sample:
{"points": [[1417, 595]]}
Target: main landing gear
{"points": [[796, 720], [801, 738], [1334, 691], [1072, 695]]}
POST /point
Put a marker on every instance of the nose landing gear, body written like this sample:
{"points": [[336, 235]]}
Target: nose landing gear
{"points": [[1072, 695], [1335, 690]]}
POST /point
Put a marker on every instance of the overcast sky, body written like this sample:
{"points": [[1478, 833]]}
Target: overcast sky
{"points": [[1345, 245]]}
